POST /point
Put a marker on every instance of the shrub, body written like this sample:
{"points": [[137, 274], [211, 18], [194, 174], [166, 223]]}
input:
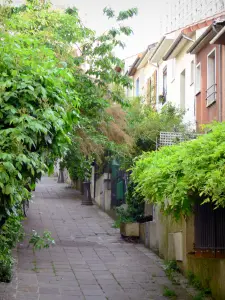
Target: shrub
{"points": [[11, 233], [177, 176], [135, 207]]}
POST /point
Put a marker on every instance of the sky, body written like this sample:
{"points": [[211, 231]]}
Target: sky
{"points": [[146, 26]]}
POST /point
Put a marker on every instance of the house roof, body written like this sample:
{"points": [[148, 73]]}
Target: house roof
{"points": [[133, 68], [146, 55], [219, 38], [203, 23], [207, 36], [160, 49], [177, 45]]}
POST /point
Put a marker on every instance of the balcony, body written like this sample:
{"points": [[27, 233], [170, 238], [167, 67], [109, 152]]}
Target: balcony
{"points": [[211, 95]]}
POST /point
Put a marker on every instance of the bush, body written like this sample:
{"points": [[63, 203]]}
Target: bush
{"points": [[177, 176], [11, 233], [135, 207]]}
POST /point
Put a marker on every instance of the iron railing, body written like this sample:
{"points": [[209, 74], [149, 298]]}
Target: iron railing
{"points": [[209, 228], [211, 94]]}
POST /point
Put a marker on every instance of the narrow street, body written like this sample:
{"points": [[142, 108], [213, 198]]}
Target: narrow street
{"points": [[90, 261]]}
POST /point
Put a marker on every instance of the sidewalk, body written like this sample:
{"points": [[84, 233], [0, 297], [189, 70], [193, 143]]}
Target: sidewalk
{"points": [[90, 260]]}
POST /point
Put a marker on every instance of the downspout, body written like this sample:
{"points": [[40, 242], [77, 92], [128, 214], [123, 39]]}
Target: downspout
{"points": [[220, 81]]}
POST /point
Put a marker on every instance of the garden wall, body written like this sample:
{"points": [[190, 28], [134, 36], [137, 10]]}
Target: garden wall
{"points": [[211, 272]]}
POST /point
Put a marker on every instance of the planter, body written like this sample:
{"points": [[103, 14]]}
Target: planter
{"points": [[129, 229]]}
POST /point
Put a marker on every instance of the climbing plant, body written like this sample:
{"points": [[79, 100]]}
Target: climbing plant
{"points": [[177, 176]]}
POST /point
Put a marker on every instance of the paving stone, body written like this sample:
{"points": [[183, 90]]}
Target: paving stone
{"points": [[90, 260]]}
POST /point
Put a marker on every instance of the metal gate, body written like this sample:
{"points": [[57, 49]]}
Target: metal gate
{"points": [[118, 185]]}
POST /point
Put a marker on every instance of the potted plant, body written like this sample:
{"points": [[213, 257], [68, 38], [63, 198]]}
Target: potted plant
{"points": [[129, 215]]}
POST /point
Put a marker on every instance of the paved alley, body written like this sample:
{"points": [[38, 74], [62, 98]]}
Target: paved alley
{"points": [[90, 260]]}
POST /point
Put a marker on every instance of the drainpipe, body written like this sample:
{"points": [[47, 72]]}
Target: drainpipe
{"points": [[221, 83]]}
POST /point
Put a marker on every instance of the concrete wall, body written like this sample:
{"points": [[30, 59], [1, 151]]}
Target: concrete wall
{"points": [[101, 191], [173, 240], [211, 273]]}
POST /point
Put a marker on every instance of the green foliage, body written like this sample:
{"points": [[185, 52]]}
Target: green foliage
{"points": [[6, 265], [171, 268], [169, 293], [38, 103], [99, 88], [41, 242], [177, 176], [122, 216], [194, 281], [46, 97], [11, 233], [145, 124], [171, 265], [135, 207]]}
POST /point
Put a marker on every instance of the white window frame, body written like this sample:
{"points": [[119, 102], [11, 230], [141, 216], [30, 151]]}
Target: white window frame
{"points": [[192, 72], [209, 102], [198, 88], [173, 69], [137, 80]]}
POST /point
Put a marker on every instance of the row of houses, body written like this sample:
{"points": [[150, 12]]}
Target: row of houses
{"points": [[186, 68]]}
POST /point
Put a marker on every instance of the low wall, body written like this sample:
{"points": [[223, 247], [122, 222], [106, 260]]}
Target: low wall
{"points": [[211, 272], [175, 241], [101, 193]]}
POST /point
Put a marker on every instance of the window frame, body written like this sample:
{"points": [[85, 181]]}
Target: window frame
{"points": [[192, 73], [137, 91], [198, 89], [208, 103], [173, 69]]}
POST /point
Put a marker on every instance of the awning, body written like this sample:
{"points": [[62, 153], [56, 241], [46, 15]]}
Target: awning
{"points": [[177, 46], [161, 48]]}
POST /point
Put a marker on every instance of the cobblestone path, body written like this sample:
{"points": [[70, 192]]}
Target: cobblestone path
{"points": [[90, 261]]}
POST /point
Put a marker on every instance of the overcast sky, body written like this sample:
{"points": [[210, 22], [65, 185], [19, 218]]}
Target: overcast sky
{"points": [[146, 25]]}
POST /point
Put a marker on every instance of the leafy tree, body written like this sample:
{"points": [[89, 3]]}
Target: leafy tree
{"points": [[49, 99], [45, 92], [145, 124]]}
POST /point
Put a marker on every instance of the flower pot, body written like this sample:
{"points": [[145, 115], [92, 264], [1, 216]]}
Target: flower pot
{"points": [[129, 229]]}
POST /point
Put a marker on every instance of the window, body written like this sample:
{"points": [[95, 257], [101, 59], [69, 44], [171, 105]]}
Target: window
{"points": [[198, 79], [182, 89], [211, 78], [164, 84], [173, 69], [209, 231], [192, 72], [137, 87]]}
